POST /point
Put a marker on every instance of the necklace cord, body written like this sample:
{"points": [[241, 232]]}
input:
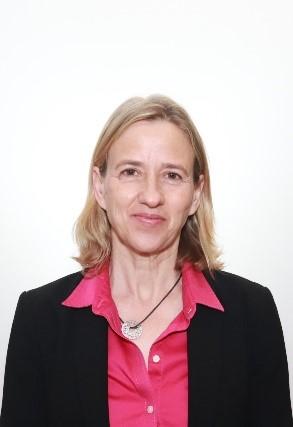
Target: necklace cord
{"points": [[159, 303]]}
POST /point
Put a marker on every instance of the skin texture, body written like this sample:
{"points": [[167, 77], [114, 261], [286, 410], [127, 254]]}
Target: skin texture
{"points": [[148, 201]]}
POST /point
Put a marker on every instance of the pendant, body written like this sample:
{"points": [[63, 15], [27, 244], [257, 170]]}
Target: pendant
{"points": [[131, 333]]}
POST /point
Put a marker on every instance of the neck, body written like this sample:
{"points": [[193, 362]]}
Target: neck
{"points": [[144, 278]]}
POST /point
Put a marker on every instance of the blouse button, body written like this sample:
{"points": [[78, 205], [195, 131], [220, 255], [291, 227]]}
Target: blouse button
{"points": [[150, 409], [156, 358]]}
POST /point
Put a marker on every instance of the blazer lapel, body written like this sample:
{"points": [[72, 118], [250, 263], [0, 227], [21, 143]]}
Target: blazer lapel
{"points": [[204, 365], [91, 361]]}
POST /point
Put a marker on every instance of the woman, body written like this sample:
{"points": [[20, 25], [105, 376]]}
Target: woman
{"points": [[152, 332]]}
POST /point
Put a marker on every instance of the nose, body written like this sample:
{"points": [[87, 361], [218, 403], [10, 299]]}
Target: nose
{"points": [[151, 193]]}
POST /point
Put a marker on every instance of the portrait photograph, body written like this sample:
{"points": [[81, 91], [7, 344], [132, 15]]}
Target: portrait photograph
{"points": [[146, 213]]}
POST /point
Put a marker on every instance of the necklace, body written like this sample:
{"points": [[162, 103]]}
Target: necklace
{"points": [[133, 330]]}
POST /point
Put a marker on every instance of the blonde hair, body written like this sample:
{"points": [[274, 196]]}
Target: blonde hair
{"points": [[92, 229]]}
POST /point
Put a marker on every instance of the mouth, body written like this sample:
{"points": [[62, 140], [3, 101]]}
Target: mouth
{"points": [[151, 219]]}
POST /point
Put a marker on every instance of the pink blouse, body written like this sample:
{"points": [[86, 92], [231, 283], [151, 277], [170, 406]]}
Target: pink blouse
{"points": [[157, 394]]}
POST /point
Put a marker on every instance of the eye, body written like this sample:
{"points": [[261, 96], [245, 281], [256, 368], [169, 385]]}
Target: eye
{"points": [[129, 172], [174, 176]]}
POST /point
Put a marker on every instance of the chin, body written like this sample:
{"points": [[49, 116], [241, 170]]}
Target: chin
{"points": [[147, 248], [144, 244]]}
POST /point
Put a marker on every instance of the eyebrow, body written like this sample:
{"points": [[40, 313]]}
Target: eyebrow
{"points": [[129, 162], [164, 165]]}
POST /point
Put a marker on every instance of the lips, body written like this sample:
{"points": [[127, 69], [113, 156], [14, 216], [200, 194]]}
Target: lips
{"points": [[149, 218]]}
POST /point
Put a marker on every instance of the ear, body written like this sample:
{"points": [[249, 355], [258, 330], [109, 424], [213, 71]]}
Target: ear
{"points": [[196, 195], [99, 187]]}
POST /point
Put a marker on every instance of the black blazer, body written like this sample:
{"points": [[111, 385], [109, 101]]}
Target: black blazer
{"points": [[56, 368]]}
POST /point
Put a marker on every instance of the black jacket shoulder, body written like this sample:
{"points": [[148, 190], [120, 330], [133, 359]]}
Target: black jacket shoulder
{"points": [[231, 288], [57, 290]]}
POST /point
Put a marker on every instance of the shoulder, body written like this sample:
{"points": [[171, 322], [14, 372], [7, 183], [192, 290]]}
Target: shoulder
{"points": [[250, 307], [226, 284], [54, 292], [40, 312], [239, 294]]}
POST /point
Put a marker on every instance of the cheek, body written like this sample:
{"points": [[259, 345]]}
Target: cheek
{"points": [[118, 198], [181, 202]]}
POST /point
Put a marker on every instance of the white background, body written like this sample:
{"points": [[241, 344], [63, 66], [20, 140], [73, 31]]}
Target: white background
{"points": [[67, 64]]}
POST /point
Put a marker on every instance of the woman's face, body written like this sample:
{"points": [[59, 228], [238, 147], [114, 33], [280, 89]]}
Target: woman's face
{"points": [[148, 190]]}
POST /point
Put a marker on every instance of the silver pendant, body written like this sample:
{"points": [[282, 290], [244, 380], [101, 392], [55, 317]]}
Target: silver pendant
{"points": [[131, 333]]}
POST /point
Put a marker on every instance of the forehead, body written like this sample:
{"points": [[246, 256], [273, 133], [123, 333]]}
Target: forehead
{"points": [[158, 139]]}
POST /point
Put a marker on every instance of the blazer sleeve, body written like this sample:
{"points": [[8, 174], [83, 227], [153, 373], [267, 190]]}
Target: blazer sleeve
{"points": [[269, 379], [23, 393]]}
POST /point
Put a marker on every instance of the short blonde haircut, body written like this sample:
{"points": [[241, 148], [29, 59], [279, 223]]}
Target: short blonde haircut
{"points": [[92, 229]]}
